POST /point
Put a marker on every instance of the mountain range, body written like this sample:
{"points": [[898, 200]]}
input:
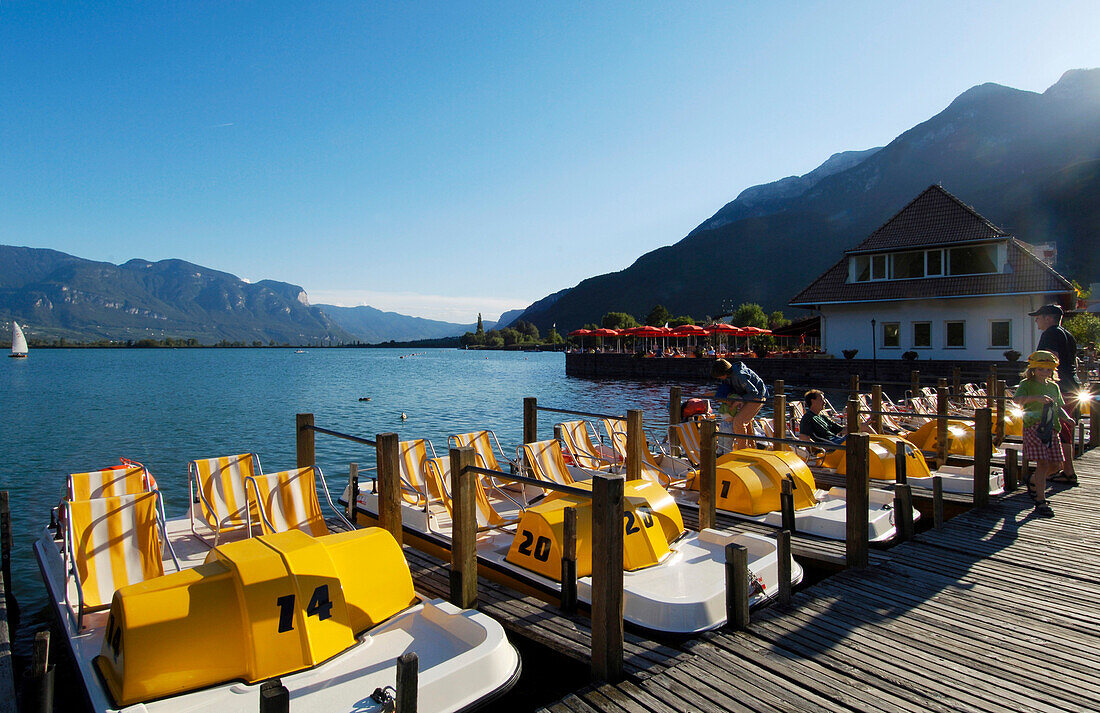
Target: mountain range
{"points": [[61, 296], [1029, 162]]}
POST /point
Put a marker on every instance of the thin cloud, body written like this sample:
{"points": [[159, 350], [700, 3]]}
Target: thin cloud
{"points": [[222, 126]]}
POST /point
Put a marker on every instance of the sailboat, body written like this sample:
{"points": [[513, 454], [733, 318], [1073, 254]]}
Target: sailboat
{"points": [[18, 342]]}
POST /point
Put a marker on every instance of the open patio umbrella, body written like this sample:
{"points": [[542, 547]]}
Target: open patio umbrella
{"points": [[605, 332], [582, 333], [689, 331]]}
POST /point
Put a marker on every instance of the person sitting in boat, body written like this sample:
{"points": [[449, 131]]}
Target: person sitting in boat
{"points": [[818, 427], [742, 393]]}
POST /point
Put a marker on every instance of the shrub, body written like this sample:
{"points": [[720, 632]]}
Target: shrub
{"points": [[1012, 355], [909, 356], [849, 353]]}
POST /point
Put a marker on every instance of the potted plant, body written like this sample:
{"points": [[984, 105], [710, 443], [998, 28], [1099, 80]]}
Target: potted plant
{"points": [[909, 355], [849, 353], [1013, 355]]}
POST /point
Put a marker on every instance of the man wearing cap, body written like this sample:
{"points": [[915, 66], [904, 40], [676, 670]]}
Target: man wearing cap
{"points": [[1056, 339], [742, 392]]}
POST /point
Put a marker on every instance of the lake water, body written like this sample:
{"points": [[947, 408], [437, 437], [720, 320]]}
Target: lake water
{"points": [[81, 409]]}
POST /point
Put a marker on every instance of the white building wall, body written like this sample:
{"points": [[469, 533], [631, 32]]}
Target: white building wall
{"points": [[848, 326]]}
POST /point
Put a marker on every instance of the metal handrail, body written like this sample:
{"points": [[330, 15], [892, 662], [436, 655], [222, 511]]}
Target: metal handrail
{"points": [[914, 414], [546, 484], [345, 436], [577, 413], [791, 441]]}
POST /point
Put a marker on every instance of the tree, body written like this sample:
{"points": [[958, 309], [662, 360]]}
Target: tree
{"points": [[552, 337], [658, 316], [776, 320], [619, 320], [680, 321], [1084, 327], [750, 314], [480, 331]]}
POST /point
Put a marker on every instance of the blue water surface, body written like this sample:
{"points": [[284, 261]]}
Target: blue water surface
{"points": [[71, 410]]}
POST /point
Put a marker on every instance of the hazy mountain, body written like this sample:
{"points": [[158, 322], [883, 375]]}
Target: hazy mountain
{"points": [[374, 326], [62, 296], [507, 318], [1029, 162]]}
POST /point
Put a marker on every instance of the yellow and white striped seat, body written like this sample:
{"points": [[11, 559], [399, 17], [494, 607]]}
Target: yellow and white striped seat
{"points": [[484, 457], [690, 438], [112, 542], [109, 482], [219, 483], [547, 462], [413, 455], [287, 500], [438, 472], [578, 442], [615, 428]]}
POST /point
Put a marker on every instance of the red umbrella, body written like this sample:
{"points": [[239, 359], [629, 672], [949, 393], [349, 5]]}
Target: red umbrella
{"points": [[580, 333], [688, 330], [605, 332]]}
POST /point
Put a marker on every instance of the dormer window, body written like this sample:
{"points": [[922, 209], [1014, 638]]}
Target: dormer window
{"points": [[916, 264]]}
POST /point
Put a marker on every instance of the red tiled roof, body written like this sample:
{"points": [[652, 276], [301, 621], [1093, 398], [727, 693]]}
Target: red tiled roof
{"points": [[1026, 274], [935, 217]]}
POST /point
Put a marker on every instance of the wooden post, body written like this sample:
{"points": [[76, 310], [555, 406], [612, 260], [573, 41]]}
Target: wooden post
{"points": [[1012, 470], [38, 680], [389, 484], [353, 491], [408, 671], [853, 385], [306, 455], [737, 587], [274, 697], [783, 553], [937, 502], [857, 496], [991, 386], [876, 407], [779, 419], [903, 511], [941, 426], [1002, 407], [1080, 450], [607, 577], [530, 419], [956, 381], [901, 452], [786, 505], [914, 382], [5, 543], [569, 562], [674, 402], [635, 442], [463, 530], [708, 474], [851, 419], [983, 454]]}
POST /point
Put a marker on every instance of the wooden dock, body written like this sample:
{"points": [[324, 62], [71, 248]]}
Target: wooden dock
{"points": [[995, 612]]}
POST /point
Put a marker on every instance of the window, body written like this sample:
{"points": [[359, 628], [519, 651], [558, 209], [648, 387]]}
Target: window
{"points": [[974, 260], [878, 267], [1000, 333], [862, 268], [922, 335], [956, 335], [933, 263], [908, 265], [891, 334]]}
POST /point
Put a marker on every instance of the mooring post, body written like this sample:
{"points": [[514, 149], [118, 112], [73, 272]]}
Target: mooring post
{"points": [[914, 383], [851, 418], [983, 455], [853, 386], [941, 425], [786, 505], [956, 381], [530, 424], [569, 561], [857, 494], [305, 437], [408, 673], [635, 443], [389, 484], [353, 491], [737, 587], [274, 697], [876, 408], [783, 553], [1094, 421], [1012, 470], [779, 415], [1080, 450], [1002, 408], [937, 502], [463, 530], [708, 474], [903, 509], [674, 417], [607, 577], [38, 680]]}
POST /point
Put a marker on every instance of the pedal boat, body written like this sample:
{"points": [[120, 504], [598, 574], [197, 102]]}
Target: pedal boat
{"points": [[673, 579], [955, 478], [328, 616], [749, 482]]}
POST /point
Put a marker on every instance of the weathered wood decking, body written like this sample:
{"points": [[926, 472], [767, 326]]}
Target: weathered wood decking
{"points": [[996, 611]]}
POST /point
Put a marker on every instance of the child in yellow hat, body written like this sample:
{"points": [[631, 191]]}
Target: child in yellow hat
{"points": [[1043, 407]]}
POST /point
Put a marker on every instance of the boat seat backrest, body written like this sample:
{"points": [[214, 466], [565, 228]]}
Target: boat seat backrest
{"points": [[287, 500], [615, 428], [109, 482], [114, 541], [579, 444], [411, 466], [690, 437], [483, 448], [547, 462], [220, 484], [438, 472]]}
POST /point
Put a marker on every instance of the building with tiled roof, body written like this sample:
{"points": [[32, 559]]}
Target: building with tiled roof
{"points": [[938, 279]]}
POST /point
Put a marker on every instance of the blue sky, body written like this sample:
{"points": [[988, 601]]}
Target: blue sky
{"points": [[441, 159]]}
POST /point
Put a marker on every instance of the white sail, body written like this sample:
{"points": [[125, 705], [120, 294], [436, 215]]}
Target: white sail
{"points": [[18, 341]]}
